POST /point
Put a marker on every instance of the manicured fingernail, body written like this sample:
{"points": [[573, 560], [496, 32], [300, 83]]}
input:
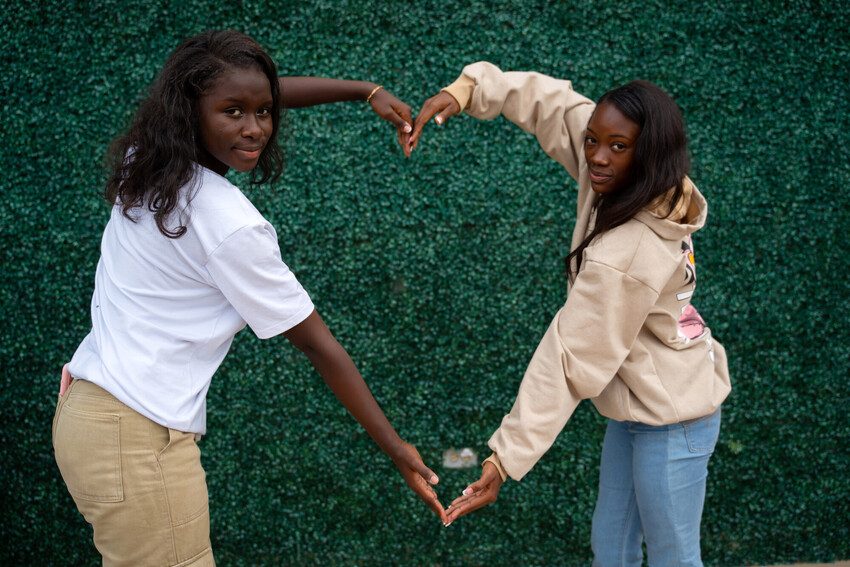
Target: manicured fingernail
{"points": [[467, 491], [447, 525], [407, 129], [438, 120]]}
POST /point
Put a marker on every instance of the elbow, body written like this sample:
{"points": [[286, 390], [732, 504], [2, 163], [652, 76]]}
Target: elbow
{"points": [[584, 380], [588, 386], [585, 385]]}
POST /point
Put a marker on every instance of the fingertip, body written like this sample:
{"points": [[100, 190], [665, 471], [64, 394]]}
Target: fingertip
{"points": [[434, 479], [439, 120], [467, 491], [407, 128]]}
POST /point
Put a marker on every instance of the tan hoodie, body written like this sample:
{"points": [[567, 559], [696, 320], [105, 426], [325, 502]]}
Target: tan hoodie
{"points": [[628, 337]]}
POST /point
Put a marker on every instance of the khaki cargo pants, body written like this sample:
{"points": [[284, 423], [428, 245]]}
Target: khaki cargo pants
{"points": [[139, 484]]}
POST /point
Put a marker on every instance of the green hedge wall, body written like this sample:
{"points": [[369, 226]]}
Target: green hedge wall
{"points": [[440, 273]]}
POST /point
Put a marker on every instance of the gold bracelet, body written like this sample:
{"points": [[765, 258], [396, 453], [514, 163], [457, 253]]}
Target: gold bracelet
{"points": [[371, 94]]}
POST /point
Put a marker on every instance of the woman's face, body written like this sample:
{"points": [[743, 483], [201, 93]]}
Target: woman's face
{"points": [[235, 120], [609, 147]]}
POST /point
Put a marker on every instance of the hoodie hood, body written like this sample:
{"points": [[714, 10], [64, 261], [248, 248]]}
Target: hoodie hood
{"points": [[688, 216]]}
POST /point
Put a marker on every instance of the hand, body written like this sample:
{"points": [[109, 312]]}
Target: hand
{"points": [[443, 105], [480, 493], [65, 381], [396, 113], [419, 478]]}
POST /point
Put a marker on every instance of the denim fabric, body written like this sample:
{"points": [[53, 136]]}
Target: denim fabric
{"points": [[652, 488]]}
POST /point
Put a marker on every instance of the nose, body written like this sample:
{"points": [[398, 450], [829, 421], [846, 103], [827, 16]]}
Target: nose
{"points": [[251, 127], [599, 157]]}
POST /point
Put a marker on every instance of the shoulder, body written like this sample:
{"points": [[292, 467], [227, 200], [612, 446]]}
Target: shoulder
{"points": [[636, 250], [217, 208]]}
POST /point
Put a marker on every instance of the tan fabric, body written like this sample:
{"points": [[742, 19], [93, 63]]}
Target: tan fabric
{"points": [[623, 337], [140, 485], [461, 90]]}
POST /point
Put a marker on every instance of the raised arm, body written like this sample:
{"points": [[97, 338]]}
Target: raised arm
{"points": [[298, 92], [546, 107], [331, 361]]}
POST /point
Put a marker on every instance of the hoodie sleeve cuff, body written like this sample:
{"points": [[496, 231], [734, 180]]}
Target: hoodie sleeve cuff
{"points": [[461, 90], [494, 459]]}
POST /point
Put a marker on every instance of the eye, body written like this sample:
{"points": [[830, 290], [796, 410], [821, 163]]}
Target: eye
{"points": [[589, 140], [264, 112], [234, 112], [618, 146]]}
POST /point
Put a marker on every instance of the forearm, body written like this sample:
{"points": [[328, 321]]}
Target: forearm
{"points": [[545, 401], [544, 106], [342, 377], [298, 92]]}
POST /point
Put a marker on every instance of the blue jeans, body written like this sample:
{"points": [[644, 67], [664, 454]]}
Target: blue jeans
{"points": [[652, 488]]}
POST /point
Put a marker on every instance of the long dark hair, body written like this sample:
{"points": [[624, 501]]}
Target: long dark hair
{"points": [[660, 161], [156, 157]]}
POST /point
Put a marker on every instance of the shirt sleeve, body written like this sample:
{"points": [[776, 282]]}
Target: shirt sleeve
{"points": [[248, 269], [578, 356], [546, 107]]}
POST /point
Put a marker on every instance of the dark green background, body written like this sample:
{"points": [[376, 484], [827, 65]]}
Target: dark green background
{"points": [[440, 273]]}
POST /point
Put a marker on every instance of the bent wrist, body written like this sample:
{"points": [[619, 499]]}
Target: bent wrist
{"points": [[461, 91], [497, 464]]}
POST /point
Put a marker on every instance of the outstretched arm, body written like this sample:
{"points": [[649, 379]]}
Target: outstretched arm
{"points": [[331, 361], [298, 92], [543, 106]]}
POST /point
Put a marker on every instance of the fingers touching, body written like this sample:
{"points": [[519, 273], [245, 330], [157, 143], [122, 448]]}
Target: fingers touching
{"points": [[480, 493], [420, 478], [439, 107], [397, 113]]}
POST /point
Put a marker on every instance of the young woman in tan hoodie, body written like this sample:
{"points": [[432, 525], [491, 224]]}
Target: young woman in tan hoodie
{"points": [[627, 337]]}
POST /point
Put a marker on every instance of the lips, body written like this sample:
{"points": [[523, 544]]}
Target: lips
{"points": [[251, 152], [599, 177]]}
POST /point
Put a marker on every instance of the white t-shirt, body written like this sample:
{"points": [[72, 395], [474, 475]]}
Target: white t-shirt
{"points": [[165, 310]]}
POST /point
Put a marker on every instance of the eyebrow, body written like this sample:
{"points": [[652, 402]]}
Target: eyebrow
{"points": [[238, 99], [589, 129]]}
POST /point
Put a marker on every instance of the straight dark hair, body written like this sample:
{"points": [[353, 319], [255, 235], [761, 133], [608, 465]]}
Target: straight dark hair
{"points": [[158, 155], [660, 162]]}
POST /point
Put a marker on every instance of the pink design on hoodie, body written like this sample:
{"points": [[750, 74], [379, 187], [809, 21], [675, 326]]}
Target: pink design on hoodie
{"points": [[691, 325]]}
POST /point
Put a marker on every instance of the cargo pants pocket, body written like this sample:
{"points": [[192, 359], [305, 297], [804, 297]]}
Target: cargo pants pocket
{"points": [[88, 453]]}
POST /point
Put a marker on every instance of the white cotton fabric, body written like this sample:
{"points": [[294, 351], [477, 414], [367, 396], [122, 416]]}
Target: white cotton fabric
{"points": [[165, 311]]}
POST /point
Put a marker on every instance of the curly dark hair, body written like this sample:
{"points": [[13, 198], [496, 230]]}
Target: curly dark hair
{"points": [[660, 163], [158, 155]]}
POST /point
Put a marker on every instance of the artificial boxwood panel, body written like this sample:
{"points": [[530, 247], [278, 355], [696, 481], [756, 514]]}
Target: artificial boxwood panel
{"points": [[440, 273]]}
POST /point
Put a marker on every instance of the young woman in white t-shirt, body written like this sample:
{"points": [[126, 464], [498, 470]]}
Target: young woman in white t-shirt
{"points": [[186, 262]]}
